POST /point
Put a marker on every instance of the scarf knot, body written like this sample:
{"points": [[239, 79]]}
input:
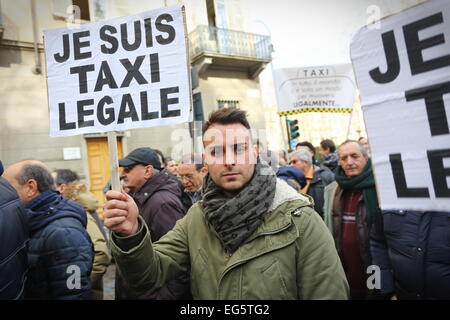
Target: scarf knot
{"points": [[365, 182]]}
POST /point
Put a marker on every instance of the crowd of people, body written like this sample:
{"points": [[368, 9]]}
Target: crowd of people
{"points": [[236, 222]]}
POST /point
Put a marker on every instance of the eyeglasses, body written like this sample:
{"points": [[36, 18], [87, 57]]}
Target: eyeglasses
{"points": [[129, 168], [186, 176]]}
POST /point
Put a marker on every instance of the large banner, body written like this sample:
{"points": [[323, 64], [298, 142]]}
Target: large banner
{"points": [[403, 74], [315, 89], [120, 74]]}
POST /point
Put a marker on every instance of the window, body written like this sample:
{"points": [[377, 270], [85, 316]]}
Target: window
{"points": [[228, 103], [198, 107], [195, 128], [84, 8], [61, 9]]}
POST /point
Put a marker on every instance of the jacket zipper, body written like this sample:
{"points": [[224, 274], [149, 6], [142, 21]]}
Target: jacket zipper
{"points": [[243, 261]]}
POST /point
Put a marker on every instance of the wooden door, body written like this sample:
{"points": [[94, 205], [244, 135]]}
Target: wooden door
{"points": [[99, 170]]}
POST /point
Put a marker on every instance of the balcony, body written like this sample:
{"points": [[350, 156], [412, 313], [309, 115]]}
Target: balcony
{"points": [[216, 48]]}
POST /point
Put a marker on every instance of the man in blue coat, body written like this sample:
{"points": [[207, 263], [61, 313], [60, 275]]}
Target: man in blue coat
{"points": [[60, 251], [13, 242], [413, 253]]}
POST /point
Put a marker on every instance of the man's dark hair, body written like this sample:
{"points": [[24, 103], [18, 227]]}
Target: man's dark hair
{"points": [[227, 116], [307, 144], [193, 158], [65, 176], [167, 160], [328, 144], [162, 156], [42, 176]]}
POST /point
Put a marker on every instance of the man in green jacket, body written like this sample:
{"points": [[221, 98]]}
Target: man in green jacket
{"points": [[251, 236]]}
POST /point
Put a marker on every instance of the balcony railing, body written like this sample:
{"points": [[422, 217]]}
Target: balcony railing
{"points": [[229, 42]]}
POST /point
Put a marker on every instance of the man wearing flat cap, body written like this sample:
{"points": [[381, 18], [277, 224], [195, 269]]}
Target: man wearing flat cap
{"points": [[158, 197]]}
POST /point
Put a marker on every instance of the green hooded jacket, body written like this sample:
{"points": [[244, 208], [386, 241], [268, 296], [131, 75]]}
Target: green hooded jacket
{"points": [[290, 256]]}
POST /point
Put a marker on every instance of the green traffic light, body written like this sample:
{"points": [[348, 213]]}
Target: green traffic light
{"points": [[293, 128]]}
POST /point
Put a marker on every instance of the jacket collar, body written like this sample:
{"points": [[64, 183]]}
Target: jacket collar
{"points": [[316, 177], [160, 179], [285, 202], [50, 206]]}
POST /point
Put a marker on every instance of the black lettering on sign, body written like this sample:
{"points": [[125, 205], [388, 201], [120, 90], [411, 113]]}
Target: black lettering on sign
{"points": [[416, 46], [77, 45], [101, 111], [165, 102], [167, 28], [434, 102], [108, 38], [82, 76], [66, 50], [148, 32], [154, 67], [392, 59], [133, 71], [105, 77], [400, 180], [439, 173], [63, 125], [131, 113], [82, 113], [137, 36], [144, 108]]}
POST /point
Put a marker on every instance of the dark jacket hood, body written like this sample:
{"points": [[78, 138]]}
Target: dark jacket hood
{"points": [[50, 206], [1, 168], [161, 181], [287, 173]]}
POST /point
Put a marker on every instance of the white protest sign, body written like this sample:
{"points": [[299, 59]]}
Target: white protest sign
{"points": [[119, 74], [403, 74], [315, 89]]}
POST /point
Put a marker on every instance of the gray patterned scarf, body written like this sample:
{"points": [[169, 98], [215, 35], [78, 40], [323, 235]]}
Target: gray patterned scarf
{"points": [[235, 219]]}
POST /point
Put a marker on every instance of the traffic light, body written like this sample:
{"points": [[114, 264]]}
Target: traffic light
{"points": [[293, 129]]}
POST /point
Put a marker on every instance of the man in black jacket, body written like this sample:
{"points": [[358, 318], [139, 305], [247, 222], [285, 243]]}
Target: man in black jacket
{"points": [[157, 195], [413, 255], [60, 252], [13, 242]]}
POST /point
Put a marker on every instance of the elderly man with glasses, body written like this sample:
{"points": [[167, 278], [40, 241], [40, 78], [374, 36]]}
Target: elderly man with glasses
{"points": [[191, 172]]}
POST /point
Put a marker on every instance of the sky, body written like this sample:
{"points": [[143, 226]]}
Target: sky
{"points": [[314, 32], [308, 33]]}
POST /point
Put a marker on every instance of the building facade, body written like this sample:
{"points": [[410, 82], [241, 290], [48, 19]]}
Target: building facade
{"points": [[225, 64]]}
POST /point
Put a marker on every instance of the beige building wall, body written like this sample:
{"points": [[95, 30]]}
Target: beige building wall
{"points": [[232, 86]]}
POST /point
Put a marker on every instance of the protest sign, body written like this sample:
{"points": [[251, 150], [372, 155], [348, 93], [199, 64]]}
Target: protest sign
{"points": [[402, 71], [315, 89], [125, 73]]}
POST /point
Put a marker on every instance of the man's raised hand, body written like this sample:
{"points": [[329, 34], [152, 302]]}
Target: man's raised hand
{"points": [[120, 213]]}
